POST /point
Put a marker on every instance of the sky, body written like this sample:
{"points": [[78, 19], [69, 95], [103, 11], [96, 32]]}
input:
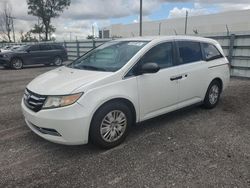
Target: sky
{"points": [[77, 21]]}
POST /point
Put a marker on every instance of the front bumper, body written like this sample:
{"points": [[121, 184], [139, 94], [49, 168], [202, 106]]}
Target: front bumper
{"points": [[4, 62], [70, 124]]}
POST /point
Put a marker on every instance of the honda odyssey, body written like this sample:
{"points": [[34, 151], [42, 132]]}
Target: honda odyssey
{"points": [[100, 95]]}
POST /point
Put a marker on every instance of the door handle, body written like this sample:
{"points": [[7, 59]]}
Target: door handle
{"points": [[176, 78]]}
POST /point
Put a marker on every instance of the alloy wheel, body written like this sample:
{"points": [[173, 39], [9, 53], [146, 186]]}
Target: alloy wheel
{"points": [[58, 61], [214, 94], [17, 63], [113, 126]]}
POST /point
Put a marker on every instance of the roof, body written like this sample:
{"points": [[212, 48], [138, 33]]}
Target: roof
{"points": [[173, 37]]}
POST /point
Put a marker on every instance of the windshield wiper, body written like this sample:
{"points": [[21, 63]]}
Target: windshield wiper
{"points": [[92, 68]]}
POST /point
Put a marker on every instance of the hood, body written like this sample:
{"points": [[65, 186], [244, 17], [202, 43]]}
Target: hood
{"points": [[5, 51], [64, 80]]}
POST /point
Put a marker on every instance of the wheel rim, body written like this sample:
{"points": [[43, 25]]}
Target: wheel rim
{"points": [[113, 126], [214, 94], [58, 61], [17, 63]]}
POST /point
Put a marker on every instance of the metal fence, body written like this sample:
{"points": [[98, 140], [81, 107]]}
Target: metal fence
{"points": [[236, 48], [77, 48]]}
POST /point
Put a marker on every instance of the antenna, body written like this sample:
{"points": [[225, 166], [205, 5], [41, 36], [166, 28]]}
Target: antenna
{"points": [[175, 32], [227, 30]]}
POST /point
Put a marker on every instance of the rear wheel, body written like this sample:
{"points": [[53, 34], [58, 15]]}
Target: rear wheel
{"points": [[58, 61], [16, 63], [110, 125], [213, 95]]}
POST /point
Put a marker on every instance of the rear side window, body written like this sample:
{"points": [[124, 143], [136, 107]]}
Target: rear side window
{"points": [[189, 51], [211, 52], [162, 54], [45, 47], [58, 47]]}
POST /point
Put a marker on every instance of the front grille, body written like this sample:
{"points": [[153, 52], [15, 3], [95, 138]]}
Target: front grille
{"points": [[33, 101]]}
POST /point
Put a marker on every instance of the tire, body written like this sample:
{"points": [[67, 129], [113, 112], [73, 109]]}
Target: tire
{"points": [[47, 64], [212, 95], [105, 130], [16, 63], [6, 67], [57, 61]]}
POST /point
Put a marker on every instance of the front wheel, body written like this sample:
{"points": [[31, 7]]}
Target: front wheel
{"points": [[58, 61], [16, 63], [213, 95], [110, 125]]}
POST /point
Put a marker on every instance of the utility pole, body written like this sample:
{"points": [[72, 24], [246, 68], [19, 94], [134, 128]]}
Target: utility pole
{"points": [[93, 31], [12, 25], [140, 17], [186, 22], [159, 28]]}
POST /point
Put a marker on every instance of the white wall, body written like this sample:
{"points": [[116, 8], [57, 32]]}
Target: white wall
{"points": [[237, 22]]}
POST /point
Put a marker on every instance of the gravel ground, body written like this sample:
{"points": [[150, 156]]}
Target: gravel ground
{"points": [[189, 148]]}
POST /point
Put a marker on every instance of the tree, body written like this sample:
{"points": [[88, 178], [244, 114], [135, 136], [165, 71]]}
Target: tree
{"points": [[6, 22], [90, 37], [38, 29], [46, 10], [27, 37]]}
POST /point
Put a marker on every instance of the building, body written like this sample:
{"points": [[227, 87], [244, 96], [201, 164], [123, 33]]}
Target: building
{"points": [[224, 23]]}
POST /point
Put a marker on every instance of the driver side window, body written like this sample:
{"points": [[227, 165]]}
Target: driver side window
{"points": [[162, 54], [34, 48]]}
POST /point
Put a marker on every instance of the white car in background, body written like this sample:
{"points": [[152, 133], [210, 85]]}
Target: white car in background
{"points": [[5, 48], [9, 48], [100, 95]]}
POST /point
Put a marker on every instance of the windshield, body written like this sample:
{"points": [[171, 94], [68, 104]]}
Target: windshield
{"points": [[22, 48], [15, 47], [110, 56]]}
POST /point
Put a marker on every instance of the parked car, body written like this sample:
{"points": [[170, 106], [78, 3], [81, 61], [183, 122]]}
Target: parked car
{"points": [[15, 47], [5, 48], [45, 54], [9, 48], [100, 95]]}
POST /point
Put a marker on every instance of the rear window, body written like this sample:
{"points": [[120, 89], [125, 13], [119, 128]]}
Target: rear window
{"points": [[189, 51], [211, 52]]}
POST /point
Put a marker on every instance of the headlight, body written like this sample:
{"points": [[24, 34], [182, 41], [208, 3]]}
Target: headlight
{"points": [[5, 56], [60, 101]]}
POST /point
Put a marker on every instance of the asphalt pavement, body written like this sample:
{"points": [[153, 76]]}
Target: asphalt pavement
{"points": [[193, 147]]}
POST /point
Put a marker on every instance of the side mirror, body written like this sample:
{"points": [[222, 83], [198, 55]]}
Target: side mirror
{"points": [[149, 68], [28, 51]]}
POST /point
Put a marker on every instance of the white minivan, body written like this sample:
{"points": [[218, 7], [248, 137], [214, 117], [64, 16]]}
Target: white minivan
{"points": [[100, 95]]}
